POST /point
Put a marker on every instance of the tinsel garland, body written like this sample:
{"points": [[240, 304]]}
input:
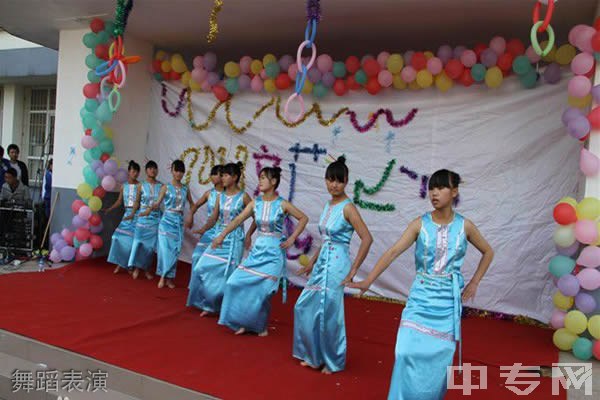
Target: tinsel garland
{"points": [[213, 29], [314, 109], [315, 150], [247, 125], [360, 187], [121, 16], [209, 119], [180, 101], [423, 191], [411, 174], [388, 115]]}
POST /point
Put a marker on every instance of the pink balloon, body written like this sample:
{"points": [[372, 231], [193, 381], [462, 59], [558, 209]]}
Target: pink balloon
{"points": [[574, 32], [580, 86], [244, 82], [324, 63], [434, 65], [88, 142], [206, 86], [498, 44], [256, 84], [532, 55], [558, 319], [86, 249], [199, 75], [382, 58], [583, 39], [582, 63], [385, 78], [586, 231], [408, 74], [293, 71], [55, 256], [468, 58], [108, 183], [198, 62], [589, 257], [589, 163], [245, 64], [65, 233], [85, 213], [263, 74], [589, 278]]}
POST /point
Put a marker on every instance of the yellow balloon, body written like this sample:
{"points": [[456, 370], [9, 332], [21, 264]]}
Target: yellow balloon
{"points": [[232, 69], [84, 191], [256, 66], [160, 55], [165, 66], [550, 57], [563, 339], [394, 63], [568, 200], [414, 85], [424, 78], [108, 132], [303, 260], [443, 82], [562, 302], [594, 326], [270, 85], [95, 203], [269, 58], [580, 102], [428, 55], [308, 87], [565, 54], [178, 64], [576, 322], [398, 82], [494, 77], [185, 78], [588, 208], [195, 86]]}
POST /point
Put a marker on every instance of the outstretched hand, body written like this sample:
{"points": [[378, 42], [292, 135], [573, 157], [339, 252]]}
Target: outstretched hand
{"points": [[363, 286]]}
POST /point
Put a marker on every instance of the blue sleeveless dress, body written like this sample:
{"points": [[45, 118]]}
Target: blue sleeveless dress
{"points": [[170, 231], [146, 229], [210, 234], [430, 324], [248, 292], [212, 269], [122, 238], [319, 327]]}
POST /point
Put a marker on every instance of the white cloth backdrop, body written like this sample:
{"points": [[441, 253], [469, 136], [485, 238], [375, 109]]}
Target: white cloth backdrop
{"points": [[507, 144]]}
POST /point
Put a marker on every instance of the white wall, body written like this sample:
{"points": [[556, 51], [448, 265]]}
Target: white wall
{"points": [[130, 124], [12, 117], [8, 41]]}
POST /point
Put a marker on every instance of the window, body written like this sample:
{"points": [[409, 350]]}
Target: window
{"points": [[41, 105]]}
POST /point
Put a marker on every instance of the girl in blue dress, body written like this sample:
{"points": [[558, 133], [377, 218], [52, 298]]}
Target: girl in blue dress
{"points": [[170, 228], [430, 325], [146, 228], [211, 270], [122, 238], [248, 292], [319, 327]]}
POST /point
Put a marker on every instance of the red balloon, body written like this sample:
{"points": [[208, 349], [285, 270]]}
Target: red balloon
{"points": [[82, 234], [69, 238], [76, 205], [156, 66], [352, 64], [339, 87], [352, 84], [373, 86], [515, 47], [95, 219], [594, 117], [220, 92], [371, 67], [505, 62], [565, 214], [165, 75], [283, 81], [418, 61], [99, 192], [104, 157], [466, 79], [597, 23], [101, 51], [91, 90], [88, 132], [596, 345], [478, 49], [96, 242], [454, 69], [596, 41], [97, 25], [174, 76]]}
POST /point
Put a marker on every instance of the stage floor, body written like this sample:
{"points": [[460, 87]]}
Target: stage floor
{"points": [[86, 309]]}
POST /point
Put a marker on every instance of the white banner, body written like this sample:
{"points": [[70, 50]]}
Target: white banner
{"points": [[507, 144]]}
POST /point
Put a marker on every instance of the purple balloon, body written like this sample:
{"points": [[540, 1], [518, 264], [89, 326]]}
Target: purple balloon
{"points": [[585, 303], [244, 82], [596, 93], [110, 167], [212, 78], [59, 245], [77, 221], [568, 251], [97, 229], [328, 79], [408, 57], [579, 127], [571, 113], [458, 50], [55, 237], [314, 75], [489, 58], [96, 164], [568, 285], [210, 61], [444, 53], [121, 175], [552, 74], [285, 62], [100, 172], [67, 253]]}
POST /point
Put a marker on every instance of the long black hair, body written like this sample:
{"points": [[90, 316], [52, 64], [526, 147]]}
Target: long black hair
{"points": [[272, 173], [337, 171], [444, 178], [233, 169]]}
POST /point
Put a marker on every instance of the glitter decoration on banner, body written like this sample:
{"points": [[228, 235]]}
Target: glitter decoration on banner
{"points": [[180, 101], [213, 26], [247, 125], [359, 188], [411, 174], [388, 115]]}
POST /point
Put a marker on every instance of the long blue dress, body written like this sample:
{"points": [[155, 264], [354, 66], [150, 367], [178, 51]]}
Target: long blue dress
{"points": [[122, 238], [210, 234], [170, 231], [248, 292], [216, 265], [146, 229], [430, 324], [319, 326]]}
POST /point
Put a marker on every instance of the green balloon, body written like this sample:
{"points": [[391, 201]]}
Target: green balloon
{"points": [[98, 134], [103, 112], [91, 105], [82, 112], [109, 27], [272, 70], [103, 37], [92, 77], [90, 176], [561, 265], [92, 61], [582, 348], [360, 77], [87, 156], [89, 121], [478, 72], [232, 85], [319, 90], [77, 243], [339, 69], [90, 40], [106, 146], [158, 76], [96, 153], [521, 65], [529, 80]]}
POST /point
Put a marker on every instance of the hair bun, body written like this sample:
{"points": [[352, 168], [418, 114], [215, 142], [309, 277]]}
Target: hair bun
{"points": [[278, 169], [240, 164], [341, 159]]}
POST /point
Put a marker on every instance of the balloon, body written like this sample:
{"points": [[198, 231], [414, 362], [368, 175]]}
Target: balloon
{"points": [[551, 56], [94, 219], [568, 200], [314, 75], [564, 214], [585, 303], [85, 213], [532, 56], [339, 69], [327, 79], [443, 82], [272, 69], [340, 89], [91, 61], [198, 62], [307, 89], [579, 86], [91, 90], [283, 81], [55, 256], [67, 253], [82, 234], [352, 64], [565, 54], [304, 260], [564, 339], [505, 61], [256, 66], [199, 74], [270, 85], [580, 102], [562, 302], [96, 242], [385, 77], [108, 183], [561, 265], [76, 205], [478, 72], [589, 163], [319, 90], [576, 322], [110, 167], [178, 64], [232, 69], [578, 127], [232, 85], [564, 236], [458, 50], [95, 203], [552, 73], [360, 77], [97, 229], [371, 67], [582, 348], [515, 47], [586, 231], [468, 58], [444, 53], [324, 63], [594, 326], [408, 74], [498, 45], [493, 77], [568, 285], [418, 61], [90, 40], [373, 86], [424, 78], [351, 83], [589, 278], [434, 65], [99, 192], [209, 61], [284, 62], [269, 58], [398, 82], [588, 208], [557, 320], [121, 175], [521, 65], [589, 257], [569, 114], [84, 190], [583, 39], [256, 84], [466, 79], [244, 82], [568, 251], [55, 237], [489, 58], [86, 249], [382, 59], [69, 237], [77, 221], [454, 69]]}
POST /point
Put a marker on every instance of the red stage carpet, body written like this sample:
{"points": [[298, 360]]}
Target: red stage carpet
{"points": [[87, 309]]}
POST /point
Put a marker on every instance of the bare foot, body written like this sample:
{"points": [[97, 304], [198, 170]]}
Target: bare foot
{"points": [[240, 331], [130, 272], [149, 275], [325, 371], [117, 270], [161, 283], [204, 313], [264, 333], [305, 364], [135, 273], [170, 284]]}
